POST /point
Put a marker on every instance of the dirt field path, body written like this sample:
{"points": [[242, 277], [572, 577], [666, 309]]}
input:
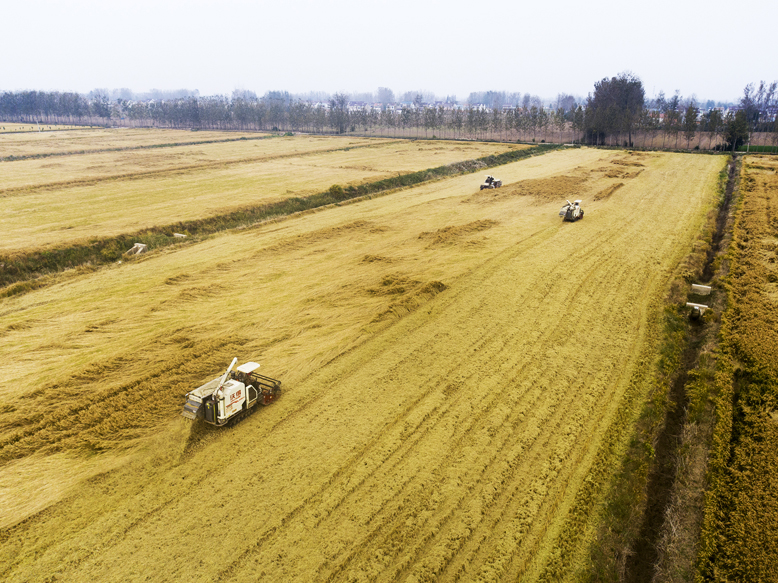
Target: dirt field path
{"points": [[440, 435]]}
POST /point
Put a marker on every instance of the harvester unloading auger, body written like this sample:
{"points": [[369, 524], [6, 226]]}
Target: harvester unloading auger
{"points": [[230, 395]]}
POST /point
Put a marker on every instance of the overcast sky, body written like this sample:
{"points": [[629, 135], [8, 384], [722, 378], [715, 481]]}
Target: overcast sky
{"points": [[709, 48]]}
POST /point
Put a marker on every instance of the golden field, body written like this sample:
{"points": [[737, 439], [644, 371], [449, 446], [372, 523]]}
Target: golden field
{"points": [[14, 127], [61, 140], [450, 360], [739, 540], [60, 200]]}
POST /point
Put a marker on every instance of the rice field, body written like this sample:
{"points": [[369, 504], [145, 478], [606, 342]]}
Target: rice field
{"points": [[451, 359], [81, 140], [11, 127], [43, 201]]}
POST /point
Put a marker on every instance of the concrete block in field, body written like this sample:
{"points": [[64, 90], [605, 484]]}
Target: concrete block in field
{"points": [[179, 236], [701, 290], [137, 249]]}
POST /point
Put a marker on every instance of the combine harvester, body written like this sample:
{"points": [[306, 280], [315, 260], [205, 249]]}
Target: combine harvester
{"points": [[491, 182], [572, 211], [232, 394]]}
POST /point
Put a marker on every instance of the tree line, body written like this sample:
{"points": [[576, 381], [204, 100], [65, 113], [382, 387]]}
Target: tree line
{"points": [[616, 113], [618, 109]]}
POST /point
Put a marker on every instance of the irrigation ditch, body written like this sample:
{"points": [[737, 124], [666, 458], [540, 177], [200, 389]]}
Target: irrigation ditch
{"points": [[25, 271]]}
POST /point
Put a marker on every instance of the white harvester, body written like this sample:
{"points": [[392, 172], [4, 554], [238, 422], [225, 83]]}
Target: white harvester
{"points": [[572, 211], [491, 182], [230, 395]]}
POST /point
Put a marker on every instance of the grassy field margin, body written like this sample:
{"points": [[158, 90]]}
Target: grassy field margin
{"points": [[23, 272]]}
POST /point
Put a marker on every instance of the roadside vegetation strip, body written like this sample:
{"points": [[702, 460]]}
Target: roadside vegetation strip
{"points": [[758, 149], [739, 540], [18, 270], [14, 158]]}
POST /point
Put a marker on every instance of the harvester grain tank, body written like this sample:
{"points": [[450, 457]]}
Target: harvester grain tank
{"points": [[491, 182], [572, 211], [229, 396]]}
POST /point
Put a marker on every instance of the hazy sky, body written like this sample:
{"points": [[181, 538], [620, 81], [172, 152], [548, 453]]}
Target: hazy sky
{"points": [[710, 48]]}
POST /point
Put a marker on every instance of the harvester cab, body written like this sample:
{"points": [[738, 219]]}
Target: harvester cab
{"points": [[230, 395], [491, 182], [572, 211]]}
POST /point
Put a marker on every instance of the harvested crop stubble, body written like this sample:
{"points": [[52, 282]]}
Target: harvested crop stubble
{"points": [[94, 168], [437, 433], [454, 233], [54, 216], [557, 188], [127, 198], [81, 142], [578, 184]]}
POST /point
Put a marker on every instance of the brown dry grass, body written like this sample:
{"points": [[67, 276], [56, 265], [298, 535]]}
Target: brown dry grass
{"points": [[608, 191]]}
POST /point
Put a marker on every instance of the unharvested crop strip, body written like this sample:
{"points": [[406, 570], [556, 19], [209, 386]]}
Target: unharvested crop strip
{"points": [[18, 272], [738, 540]]}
